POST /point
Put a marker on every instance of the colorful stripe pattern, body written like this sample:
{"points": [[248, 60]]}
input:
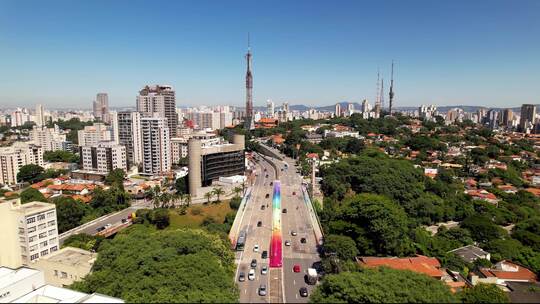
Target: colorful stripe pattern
{"points": [[276, 257]]}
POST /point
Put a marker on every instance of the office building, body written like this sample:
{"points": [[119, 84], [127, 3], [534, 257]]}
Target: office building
{"points": [[209, 163], [27, 285], [527, 118], [13, 157], [205, 119], [127, 132], [156, 146], [159, 99], [29, 231], [40, 116], [94, 134], [103, 157], [101, 107]]}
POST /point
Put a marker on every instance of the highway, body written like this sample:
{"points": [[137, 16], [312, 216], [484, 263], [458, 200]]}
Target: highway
{"points": [[295, 219]]}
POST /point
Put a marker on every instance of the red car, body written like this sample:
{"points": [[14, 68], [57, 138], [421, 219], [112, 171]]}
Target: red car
{"points": [[296, 268]]}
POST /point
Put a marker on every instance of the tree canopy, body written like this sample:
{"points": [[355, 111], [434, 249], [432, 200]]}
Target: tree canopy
{"points": [[381, 285], [484, 293], [31, 195], [142, 265], [29, 173]]}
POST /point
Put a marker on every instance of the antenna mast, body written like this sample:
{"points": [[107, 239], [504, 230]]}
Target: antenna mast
{"points": [[391, 93]]}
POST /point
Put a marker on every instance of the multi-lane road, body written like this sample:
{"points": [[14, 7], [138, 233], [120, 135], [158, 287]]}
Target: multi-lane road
{"points": [[282, 284]]}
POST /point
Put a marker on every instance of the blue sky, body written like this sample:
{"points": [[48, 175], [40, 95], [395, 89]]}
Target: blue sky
{"points": [[61, 53]]}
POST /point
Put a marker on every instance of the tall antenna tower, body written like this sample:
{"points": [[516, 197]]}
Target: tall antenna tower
{"points": [[377, 96], [249, 124], [382, 93], [391, 93]]}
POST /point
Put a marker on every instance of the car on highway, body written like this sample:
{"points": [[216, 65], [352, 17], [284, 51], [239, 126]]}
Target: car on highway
{"points": [[267, 195], [251, 274], [264, 254], [107, 226], [287, 243], [253, 263], [266, 175], [242, 277], [271, 183], [293, 233], [99, 229], [124, 221], [296, 268], [262, 290], [264, 270], [259, 224], [303, 292], [303, 240], [294, 193], [256, 248], [262, 207], [285, 210]]}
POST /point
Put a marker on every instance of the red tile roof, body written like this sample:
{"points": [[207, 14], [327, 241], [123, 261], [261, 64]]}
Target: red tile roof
{"points": [[522, 273]]}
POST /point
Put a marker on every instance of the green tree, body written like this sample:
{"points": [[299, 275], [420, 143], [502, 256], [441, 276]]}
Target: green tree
{"points": [[29, 173], [84, 241], [208, 196], [69, 213], [381, 285], [31, 195], [482, 228], [484, 293], [116, 178], [181, 185], [160, 218], [164, 266], [60, 156], [342, 246], [218, 191]]}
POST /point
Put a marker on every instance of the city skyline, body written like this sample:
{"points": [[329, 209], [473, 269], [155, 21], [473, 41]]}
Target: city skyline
{"points": [[316, 56]]}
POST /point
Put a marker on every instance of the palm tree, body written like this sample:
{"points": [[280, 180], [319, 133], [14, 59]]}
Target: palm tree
{"points": [[155, 194], [237, 191], [218, 191], [208, 196], [165, 199]]}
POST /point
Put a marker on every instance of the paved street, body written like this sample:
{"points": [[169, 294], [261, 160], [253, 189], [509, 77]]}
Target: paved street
{"points": [[295, 219]]}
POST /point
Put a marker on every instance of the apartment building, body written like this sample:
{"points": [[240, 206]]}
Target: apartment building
{"points": [[127, 132], [156, 146], [160, 100], [92, 135], [12, 158], [29, 231], [50, 139], [103, 157]]}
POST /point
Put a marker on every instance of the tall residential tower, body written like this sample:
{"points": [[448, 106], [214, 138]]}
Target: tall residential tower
{"points": [[159, 99]]}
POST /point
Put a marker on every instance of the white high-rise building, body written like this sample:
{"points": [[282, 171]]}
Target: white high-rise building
{"points": [[225, 119], [50, 139], [101, 107], [270, 108], [159, 99], [40, 115], [12, 158], [286, 107], [206, 119], [127, 132], [338, 110], [29, 231], [103, 157], [366, 107], [156, 145], [92, 135]]}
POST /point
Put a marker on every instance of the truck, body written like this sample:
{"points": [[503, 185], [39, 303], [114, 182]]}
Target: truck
{"points": [[312, 276]]}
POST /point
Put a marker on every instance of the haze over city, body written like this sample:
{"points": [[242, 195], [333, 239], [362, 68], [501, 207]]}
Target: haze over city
{"points": [[61, 53]]}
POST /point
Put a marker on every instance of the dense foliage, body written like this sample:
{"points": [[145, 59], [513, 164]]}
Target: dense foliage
{"points": [[31, 195], [60, 156], [381, 285], [145, 265], [484, 293]]}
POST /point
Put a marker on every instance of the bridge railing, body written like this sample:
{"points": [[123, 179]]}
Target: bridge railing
{"points": [[315, 222], [236, 226]]}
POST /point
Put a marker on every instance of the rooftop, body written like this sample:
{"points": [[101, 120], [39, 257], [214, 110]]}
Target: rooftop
{"points": [[10, 276], [72, 256], [470, 253], [421, 264]]}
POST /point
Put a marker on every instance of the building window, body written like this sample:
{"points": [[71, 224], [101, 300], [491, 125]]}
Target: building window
{"points": [[52, 231], [40, 217], [30, 220], [45, 252], [31, 229], [23, 249], [56, 271], [32, 238], [33, 248], [51, 223], [43, 244], [21, 230], [63, 275], [34, 256], [50, 214], [42, 235], [54, 248], [42, 226], [52, 241]]}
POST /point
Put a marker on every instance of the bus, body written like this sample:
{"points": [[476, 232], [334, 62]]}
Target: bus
{"points": [[240, 244]]}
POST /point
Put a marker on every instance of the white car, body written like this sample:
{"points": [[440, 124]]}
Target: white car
{"points": [[287, 243], [256, 248], [264, 270], [251, 274]]}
